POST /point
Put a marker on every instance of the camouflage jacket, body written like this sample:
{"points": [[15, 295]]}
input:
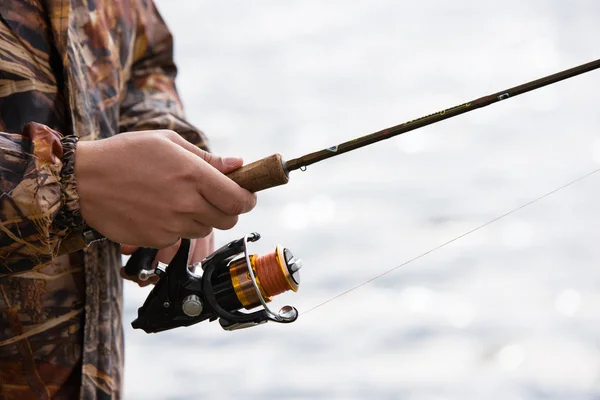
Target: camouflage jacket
{"points": [[75, 68]]}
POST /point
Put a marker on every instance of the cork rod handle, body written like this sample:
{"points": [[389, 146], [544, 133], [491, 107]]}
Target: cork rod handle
{"points": [[262, 174]]}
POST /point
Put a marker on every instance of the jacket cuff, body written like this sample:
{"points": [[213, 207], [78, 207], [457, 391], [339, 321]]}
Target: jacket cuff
{"points": [[69, 218]]}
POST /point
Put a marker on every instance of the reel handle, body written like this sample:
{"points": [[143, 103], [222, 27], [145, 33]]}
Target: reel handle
{"points": [[262, 174], [141, 259]]}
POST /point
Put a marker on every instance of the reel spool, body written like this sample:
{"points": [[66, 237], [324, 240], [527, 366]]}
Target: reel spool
{"points": [[228, 280]]}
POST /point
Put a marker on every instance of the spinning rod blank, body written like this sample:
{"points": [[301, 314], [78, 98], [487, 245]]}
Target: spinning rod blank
{"points": [[274, 171]]}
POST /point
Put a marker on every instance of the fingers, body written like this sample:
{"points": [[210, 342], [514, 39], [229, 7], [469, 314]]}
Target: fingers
{"points": [[204, 215], [203, 248], [223, 193], [128, 249], [166, 255], [191, 229], [153, 204], [214, 186], [223, 165]]}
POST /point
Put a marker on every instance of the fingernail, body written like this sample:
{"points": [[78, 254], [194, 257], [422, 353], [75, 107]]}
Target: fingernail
{"points": [[231, 161]]}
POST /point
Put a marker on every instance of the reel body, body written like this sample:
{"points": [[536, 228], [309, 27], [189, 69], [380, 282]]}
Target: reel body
{"points": [[228, 280]]}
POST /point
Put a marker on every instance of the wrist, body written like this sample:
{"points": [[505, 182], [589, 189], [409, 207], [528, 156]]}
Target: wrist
{"points": [[86, 172]]}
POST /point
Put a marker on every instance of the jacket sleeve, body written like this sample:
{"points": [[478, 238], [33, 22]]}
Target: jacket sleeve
{"points": [[39, 205], [151, 100]]}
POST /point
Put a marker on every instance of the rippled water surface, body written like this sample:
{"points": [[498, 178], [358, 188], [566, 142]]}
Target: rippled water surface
{"points": [[511, 311]]}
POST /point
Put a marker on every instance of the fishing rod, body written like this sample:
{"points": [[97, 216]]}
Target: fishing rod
{"points": [[231, 279], [273, 171]]}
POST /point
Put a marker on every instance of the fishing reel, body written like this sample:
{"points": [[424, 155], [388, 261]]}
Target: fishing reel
{"points": [[228, 280]]}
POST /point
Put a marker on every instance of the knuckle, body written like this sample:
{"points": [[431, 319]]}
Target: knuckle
{"points": [[171, 232], [236, 206], [186, 205], [187, 180], [208, 157], [169, 134]]}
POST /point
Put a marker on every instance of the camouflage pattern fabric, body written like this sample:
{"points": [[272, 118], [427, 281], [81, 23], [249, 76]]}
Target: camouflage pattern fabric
{"points": [[89, 69]]}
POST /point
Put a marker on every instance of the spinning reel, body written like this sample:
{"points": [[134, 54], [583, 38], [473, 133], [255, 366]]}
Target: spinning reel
{"points": [[217, 288]]}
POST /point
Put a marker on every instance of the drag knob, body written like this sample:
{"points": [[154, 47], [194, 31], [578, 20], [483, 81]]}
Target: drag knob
{"points": [[293, 265]]}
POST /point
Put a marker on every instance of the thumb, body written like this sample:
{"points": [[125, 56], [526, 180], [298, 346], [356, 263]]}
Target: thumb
{"points": [[222, 164]]}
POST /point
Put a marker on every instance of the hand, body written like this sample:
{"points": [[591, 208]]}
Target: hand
{"points": [[152, 188], [199, 250]]}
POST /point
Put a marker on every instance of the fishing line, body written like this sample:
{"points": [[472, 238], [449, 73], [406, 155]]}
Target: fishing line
{"points": [[453, 240]]}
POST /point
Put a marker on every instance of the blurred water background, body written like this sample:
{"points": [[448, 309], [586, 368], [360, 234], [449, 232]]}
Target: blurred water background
{"points": [[509, 312]]}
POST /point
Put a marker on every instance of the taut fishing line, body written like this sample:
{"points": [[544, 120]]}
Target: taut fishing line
{"points": [[453, 240]]}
